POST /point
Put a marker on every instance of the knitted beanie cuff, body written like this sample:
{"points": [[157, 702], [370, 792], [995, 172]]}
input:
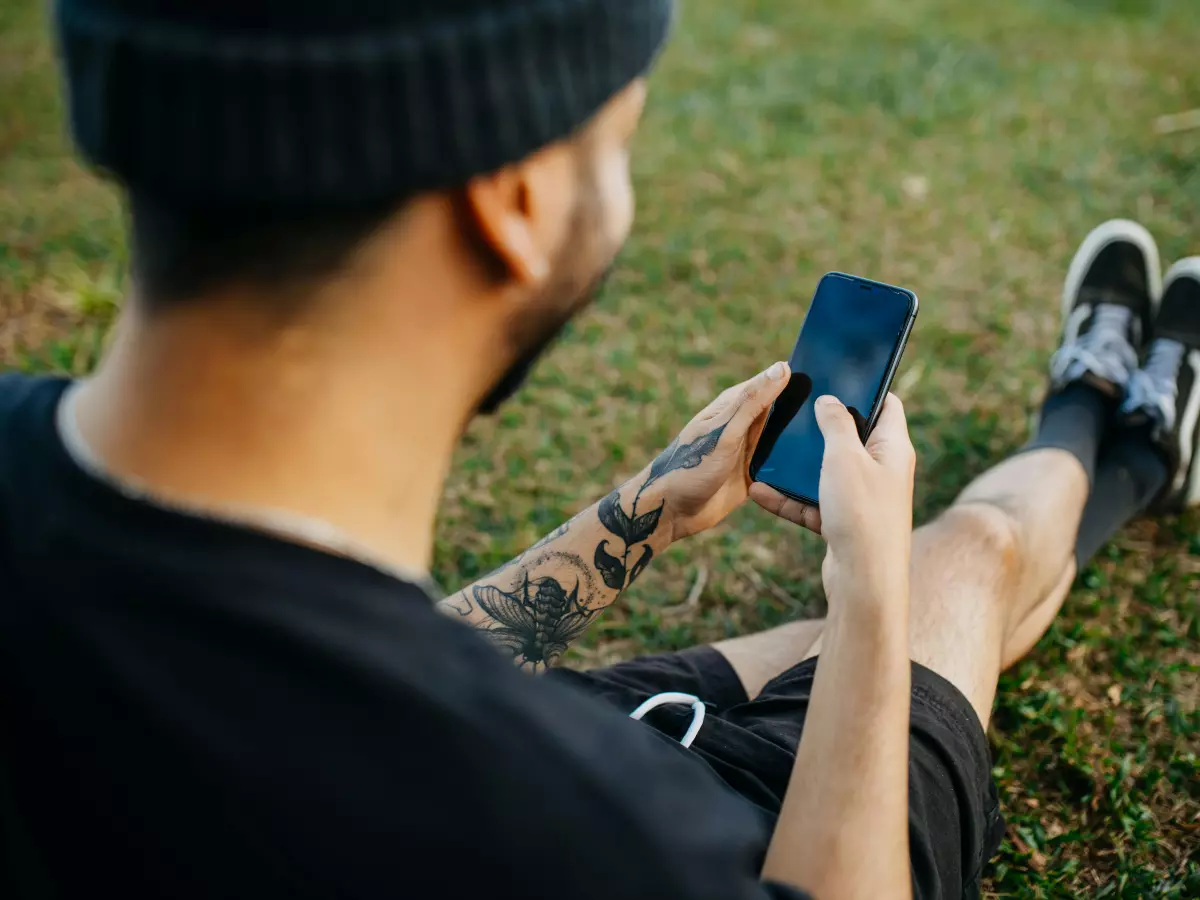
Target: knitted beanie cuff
{"points": [[202, 116]]}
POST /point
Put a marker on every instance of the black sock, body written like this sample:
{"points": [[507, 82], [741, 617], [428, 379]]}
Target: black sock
{"points": [[1130, 474], [1075, 420]]}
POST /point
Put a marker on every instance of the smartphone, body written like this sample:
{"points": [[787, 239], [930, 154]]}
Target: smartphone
{"points": [[849, 346]]}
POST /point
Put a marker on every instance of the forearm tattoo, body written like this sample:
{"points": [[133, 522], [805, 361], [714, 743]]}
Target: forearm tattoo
{"points": [[553, 595], [538, 619], [633, 528], [460, 603]]}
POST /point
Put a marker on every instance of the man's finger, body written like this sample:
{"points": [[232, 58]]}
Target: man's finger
{"points": [[759, 393], [837, 426], [889, 444], [785, 507]]}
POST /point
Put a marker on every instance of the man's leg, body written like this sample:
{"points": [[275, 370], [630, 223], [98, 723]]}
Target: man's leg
{"points": [[990, 573], [757, 658], [987, 578], [1037, 530]]}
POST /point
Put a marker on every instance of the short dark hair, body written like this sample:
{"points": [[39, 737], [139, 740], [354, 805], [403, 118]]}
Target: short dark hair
{"points": [[181, 252]]}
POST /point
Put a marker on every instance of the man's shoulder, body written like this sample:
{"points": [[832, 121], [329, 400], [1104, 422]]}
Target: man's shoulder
{"points": [[18, 392], [25, 401]]}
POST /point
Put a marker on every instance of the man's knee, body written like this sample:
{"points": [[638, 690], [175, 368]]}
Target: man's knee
{"points": [[967, 570], [987, 538]]}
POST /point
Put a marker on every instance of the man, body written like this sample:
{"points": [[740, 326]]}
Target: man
{"points": [[353, 226]]}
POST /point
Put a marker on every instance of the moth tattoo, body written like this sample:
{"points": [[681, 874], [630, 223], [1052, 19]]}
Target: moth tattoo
{"points": [[536, 621]]}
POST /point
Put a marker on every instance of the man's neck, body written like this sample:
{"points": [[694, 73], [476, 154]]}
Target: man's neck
{"points": [[225, 416]]}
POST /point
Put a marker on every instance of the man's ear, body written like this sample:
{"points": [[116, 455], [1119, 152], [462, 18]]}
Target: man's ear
{"points": [[521, 211]]}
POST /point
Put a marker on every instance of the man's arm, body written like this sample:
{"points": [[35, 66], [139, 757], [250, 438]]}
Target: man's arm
{"points": [[843, 828], [534, 606]]}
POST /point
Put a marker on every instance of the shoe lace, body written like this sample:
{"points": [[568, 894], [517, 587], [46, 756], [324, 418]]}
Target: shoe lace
{"points": [[1103, 350], [1154, 388]]}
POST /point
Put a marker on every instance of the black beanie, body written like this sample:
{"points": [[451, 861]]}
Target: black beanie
{"points": [[338, 102]]}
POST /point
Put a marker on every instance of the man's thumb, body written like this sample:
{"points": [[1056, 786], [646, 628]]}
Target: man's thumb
{"points": [[836, 423], [761, 391]]}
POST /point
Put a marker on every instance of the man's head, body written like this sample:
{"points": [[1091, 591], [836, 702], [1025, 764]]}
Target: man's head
{"points": [[465, 160]]}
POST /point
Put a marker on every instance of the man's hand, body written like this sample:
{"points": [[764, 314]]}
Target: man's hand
{"points": [[866, 501], [705, 473]]}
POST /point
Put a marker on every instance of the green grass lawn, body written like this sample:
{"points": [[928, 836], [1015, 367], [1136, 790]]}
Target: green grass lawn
{"points": [[958, 148]]}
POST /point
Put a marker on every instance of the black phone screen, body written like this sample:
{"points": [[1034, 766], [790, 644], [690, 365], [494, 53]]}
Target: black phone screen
{"points": [[852, 331]]}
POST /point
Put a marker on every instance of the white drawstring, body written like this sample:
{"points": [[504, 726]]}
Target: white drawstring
{"points": [[675, 697]]}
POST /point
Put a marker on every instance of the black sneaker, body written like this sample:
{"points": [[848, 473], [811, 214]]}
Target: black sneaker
{"points": [[1109, 304], [1165, 391]]}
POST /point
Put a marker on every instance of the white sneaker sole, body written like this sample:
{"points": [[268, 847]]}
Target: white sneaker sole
{"points": [[1100, 237], [1189, 267]]}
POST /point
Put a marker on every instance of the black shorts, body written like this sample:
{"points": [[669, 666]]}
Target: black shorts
{"points": [[954, 817]]}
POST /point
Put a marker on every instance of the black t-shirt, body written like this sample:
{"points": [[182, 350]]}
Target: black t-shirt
{"points": [[194, 709]]}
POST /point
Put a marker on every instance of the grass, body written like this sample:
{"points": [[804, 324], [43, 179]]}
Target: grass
{"points": [[959, 148]]}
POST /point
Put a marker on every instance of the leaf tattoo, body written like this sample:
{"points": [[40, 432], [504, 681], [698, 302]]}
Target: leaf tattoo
{"points": [[630, 530], [634, 529], [611, 569], [647, 555], [537, 621], [687, 456], [644, 525], [613, 517]]}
